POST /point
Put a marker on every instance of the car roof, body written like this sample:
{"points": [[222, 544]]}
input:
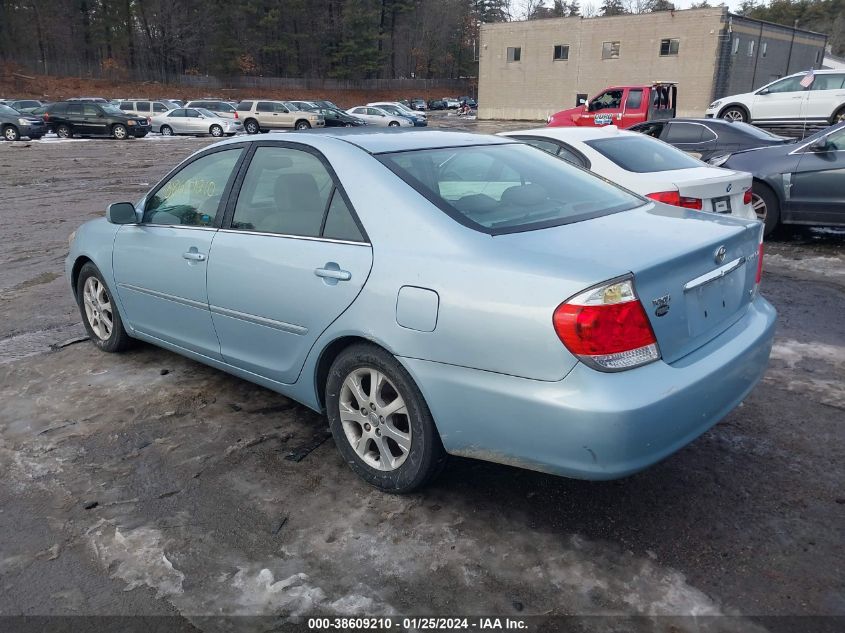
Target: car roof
{"points": [[574, 133], [381, 141]]}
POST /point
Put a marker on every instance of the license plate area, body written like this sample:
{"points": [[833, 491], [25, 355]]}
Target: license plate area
{"points": [[712, 302], [721, 205]]}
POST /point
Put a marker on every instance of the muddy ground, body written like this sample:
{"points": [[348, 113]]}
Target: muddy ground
{"points": [[147, 484]]}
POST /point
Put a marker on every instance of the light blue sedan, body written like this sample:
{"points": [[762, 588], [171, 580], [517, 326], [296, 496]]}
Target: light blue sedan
{"points": [[439, 293]]}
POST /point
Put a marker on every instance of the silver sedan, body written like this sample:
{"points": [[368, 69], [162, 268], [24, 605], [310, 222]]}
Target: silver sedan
{"points": [[197, 121]]}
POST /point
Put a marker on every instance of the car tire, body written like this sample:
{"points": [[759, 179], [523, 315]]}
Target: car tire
{"points": [[734, 113], [216, 131], [393, 124], [11, 133], [766, 205], [303, 125], [838, 117], [366, 434], [251, 126], [64, 131], [99, 311], [166, 130], [120, 132]]}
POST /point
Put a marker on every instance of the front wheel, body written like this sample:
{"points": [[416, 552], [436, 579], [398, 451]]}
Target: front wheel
{"points": [[734, 114], [99, 312], [251, 126], [11, 133], [216, 131], [120, 132], [393, 124], [380, 421], [767, 207]]}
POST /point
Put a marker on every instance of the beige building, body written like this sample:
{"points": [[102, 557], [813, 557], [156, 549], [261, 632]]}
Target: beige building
{"points": [[529, 70]]}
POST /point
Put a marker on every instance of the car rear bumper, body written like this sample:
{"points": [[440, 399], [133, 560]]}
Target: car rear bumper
{"points": [[594, 425]]}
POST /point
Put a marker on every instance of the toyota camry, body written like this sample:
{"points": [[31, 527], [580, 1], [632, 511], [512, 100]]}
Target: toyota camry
{"points": [[438, 293]]}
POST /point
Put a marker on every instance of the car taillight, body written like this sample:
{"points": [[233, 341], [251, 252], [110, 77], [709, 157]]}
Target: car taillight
{"points": [[607, 327], [746, 197], [236, 114], [675, 199], [46, 116]]}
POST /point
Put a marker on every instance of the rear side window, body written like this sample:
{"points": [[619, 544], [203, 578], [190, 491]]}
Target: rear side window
{"points": [[127, 105], [635, 99], [642, 154], [285, 191], [191, 196], [245, 106], [507, 188], [684, 133], [159, 107], [340, 224], [74, 109], [264, 106], [90, 110]]}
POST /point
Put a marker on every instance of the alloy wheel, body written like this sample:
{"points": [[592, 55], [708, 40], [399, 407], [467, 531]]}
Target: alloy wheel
{"points": [[98, 308], [375, 419], [11, 134], [759, 206], [733, 115], [119, 132], [166, 131], [216, 131]]}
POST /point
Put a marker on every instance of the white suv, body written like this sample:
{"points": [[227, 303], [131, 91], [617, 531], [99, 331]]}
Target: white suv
{"points": [[786, 101]]}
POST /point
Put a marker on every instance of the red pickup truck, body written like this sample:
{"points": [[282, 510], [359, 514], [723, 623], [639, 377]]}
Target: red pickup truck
{"points": [[622, 106]]}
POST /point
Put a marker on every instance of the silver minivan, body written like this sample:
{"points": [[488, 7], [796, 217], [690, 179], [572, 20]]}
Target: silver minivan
{"points": [[146, 107]]}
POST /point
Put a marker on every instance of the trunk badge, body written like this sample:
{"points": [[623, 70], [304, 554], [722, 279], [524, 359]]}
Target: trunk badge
{"points": [[719, 255], [661, 305], [730, 186]]}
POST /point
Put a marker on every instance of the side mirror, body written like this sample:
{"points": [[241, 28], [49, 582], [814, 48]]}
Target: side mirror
{"points": [[122, 213], [820, 145]]}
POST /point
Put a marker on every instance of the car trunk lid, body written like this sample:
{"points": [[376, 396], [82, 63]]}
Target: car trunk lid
{"points": [[720, 190], [695, 273]]}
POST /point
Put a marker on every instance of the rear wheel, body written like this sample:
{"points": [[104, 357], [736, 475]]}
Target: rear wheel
{"points": [[838, 117], [393, 124], [11, 133], [166, 130], [734, 113], [99, 312], [120, 132], [766, 206], [64, 131], [303, 125], [251, 126], [216, 131], [380, 421]]}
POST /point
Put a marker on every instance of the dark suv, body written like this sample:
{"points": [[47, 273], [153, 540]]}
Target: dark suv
{"points": [[67, 118]]}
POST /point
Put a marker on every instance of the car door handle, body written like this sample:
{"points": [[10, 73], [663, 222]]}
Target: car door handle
{"points": [[332, 273], [194, 256]]}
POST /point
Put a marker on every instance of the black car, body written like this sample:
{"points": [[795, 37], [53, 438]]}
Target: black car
{"points": [[707, 138], [14, 125], [797, 183], [338, 118], [67, 118], [323, 103], [437, 104]]}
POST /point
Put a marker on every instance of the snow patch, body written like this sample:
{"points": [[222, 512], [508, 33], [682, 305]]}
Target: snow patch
{"points": [[262, 593], [137, 557], [819, 265], [793, 352]]}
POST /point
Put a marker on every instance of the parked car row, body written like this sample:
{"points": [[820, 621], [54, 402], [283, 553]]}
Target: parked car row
{"points": [[621, 327]]}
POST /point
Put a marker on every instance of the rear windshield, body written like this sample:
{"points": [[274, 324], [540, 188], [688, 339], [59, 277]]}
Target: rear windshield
{"points": [[642, 154], [507, 188]]}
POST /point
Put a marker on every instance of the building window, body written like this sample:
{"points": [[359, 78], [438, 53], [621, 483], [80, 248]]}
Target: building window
{"points": [[763, 48], [751, 48], [610, 50], [736, 45], [818, 57], [561, 52], [514, 53], [669, 47]]}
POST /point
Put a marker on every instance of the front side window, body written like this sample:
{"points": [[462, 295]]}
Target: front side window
{"points": [[507, 188], [192, 113], [561, 52], [192, 195], [610, 50], [642, 154], [514, 53], [609, 100], [290, 192], [224, 107], [669, 47], [790, 84], [90, 110]]}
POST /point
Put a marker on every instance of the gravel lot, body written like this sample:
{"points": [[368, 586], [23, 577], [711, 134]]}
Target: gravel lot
{"points": [[147, 484]]}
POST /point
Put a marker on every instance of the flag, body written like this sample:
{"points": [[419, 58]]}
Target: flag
{"points": [[809, 78]]}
